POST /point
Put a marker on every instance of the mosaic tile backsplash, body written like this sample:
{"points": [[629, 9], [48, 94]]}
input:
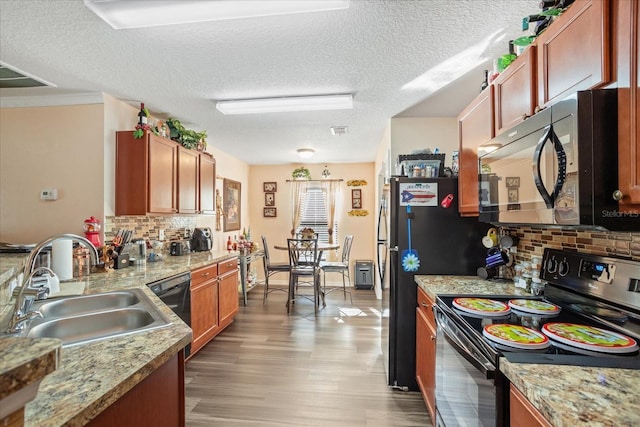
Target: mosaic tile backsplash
{"points": [[532, 241], [148, 227]]}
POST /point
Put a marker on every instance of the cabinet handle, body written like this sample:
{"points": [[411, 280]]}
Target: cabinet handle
{"points": [[433, 338], [205, 274], [618, 195], [424, 304]]}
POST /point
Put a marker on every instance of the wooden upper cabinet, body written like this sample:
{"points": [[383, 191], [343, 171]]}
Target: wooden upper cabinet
{"points": [[574, 53], [475, 127], [146, 174], [628, 71], [188, 178], [207, 183], [515, 92], [163, 154]]}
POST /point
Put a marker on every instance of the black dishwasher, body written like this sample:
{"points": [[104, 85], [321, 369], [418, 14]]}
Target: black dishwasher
{"points": [[175, 292]]}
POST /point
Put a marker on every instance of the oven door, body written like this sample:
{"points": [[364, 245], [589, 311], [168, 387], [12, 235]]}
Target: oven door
{"points": [[466, 393]]}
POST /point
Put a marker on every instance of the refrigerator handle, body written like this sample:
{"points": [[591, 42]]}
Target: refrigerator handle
{"points": [[393, 249]]}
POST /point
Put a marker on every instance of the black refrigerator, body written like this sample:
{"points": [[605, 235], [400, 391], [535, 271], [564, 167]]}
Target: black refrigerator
{"points": [[445, 243]]}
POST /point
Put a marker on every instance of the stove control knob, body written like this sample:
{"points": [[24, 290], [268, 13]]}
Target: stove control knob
{"points": [[552, 265], [563, 268]]}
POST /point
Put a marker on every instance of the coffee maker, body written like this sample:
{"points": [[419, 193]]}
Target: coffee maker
{"points": [[201, 239]]}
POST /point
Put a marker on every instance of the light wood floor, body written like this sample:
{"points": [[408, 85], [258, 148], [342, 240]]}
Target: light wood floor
{"points": [[270, 369]]}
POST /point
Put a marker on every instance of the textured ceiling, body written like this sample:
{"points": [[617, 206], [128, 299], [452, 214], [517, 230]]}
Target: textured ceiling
{"points": [[398, 58]]}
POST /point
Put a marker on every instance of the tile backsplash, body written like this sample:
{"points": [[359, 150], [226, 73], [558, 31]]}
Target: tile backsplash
{"points": [[148, 227], [532, 241]]}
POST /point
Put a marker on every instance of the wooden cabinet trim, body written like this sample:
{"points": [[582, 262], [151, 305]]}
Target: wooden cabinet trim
{"points": [[522, 413], [188, 180]]}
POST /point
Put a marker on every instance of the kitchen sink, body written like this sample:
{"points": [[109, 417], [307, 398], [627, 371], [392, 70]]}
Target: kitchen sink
{"points": [[88, 303], [89, 318]]}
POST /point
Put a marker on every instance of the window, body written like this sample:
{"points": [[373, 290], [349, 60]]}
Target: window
{"points": [[314, 215]]}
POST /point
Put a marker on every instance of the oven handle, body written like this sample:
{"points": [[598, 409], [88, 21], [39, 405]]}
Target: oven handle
{"points": [[480, 362]]}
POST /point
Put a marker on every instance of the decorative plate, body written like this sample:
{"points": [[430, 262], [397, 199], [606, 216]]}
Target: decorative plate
{"points": [[534, 306], [516, 336], [590, 338], [484, 306]]}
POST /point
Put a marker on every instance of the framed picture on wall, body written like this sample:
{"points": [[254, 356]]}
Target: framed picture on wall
{"points": [[356, 198], [270, 212], [269, 199], [231, 204], [512, 181], [269, 187]]}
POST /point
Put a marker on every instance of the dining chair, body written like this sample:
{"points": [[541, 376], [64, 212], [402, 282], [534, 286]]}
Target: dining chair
{"points": [[271, 268], [303, 273], [341, 267]]}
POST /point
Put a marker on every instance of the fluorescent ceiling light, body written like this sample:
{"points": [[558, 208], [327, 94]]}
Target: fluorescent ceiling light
{"points": [[140, 13], [276, 105], [305, 153]]}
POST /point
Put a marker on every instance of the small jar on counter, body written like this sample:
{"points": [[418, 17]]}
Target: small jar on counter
{"points": [[81, 262]]}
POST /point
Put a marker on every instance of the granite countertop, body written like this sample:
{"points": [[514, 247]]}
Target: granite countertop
{"points": [[565, 395], [92, 376], [573, 396]]}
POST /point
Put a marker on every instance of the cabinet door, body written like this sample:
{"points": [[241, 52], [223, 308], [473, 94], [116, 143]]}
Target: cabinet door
{"points": [[425, 360], [188, 180], [131, 174], [574, 52], [522, 413], [475, 126], [207, 185], [163, 155], [628, 70], [229, 298], [204, 305], [515, 92]]}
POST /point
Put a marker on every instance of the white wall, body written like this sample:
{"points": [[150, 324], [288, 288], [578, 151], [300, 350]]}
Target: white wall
{"points": [[50, 147], [409, 134]]}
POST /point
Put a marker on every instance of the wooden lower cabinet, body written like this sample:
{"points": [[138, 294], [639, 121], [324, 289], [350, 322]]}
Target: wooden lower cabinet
{"points": [[157, 401], [214, 301], [522, 413], [204, 306], [426, 352], [228, 302]]}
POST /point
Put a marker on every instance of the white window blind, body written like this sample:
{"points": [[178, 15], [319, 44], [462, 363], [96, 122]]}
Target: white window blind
{"points": [[314, 215]]}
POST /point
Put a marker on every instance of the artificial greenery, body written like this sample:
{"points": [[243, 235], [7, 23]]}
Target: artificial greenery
{"points": [[186, 137], [301, 173]]}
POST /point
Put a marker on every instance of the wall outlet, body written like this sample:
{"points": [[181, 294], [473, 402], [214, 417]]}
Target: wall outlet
{"points": [[161, 234], [49, 194]]}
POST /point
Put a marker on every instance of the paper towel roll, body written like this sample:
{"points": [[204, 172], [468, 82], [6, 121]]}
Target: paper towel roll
{"points": [[62, 259]]}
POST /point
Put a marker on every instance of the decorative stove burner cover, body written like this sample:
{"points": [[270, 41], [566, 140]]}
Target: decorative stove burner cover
{"points": [[516, 336], [590, 338], [534, 306], [486, 307]]}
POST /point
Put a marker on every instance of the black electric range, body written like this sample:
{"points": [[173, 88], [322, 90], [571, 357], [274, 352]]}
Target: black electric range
{"points": [[594, 303], [594, 291]]}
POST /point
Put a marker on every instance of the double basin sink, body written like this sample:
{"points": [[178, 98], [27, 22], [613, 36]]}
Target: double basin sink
{"points": [[88, 318]]}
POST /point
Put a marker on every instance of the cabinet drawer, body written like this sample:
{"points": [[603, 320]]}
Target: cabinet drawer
{"points": [[201, 275], [425, 305], [228, 265]]}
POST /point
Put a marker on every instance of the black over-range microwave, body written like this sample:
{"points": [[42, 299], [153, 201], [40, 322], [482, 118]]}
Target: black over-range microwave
{"points": [[559, 167]]}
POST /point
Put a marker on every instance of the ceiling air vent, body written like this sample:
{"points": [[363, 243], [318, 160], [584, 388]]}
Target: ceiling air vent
{"points": [[339, 130], [11, 78]]}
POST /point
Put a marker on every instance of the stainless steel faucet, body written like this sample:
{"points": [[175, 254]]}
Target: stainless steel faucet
{"points": [[21, 311]]}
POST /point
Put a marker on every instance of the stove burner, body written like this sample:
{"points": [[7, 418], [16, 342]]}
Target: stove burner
{"points": [[534, 306], [482, 306], [604, 313], [516, 336], [585, 337]]}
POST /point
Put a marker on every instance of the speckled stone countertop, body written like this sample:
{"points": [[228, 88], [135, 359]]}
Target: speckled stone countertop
{"points": [[466, 285], [565, 395], [573, 396], [91, 377]]}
